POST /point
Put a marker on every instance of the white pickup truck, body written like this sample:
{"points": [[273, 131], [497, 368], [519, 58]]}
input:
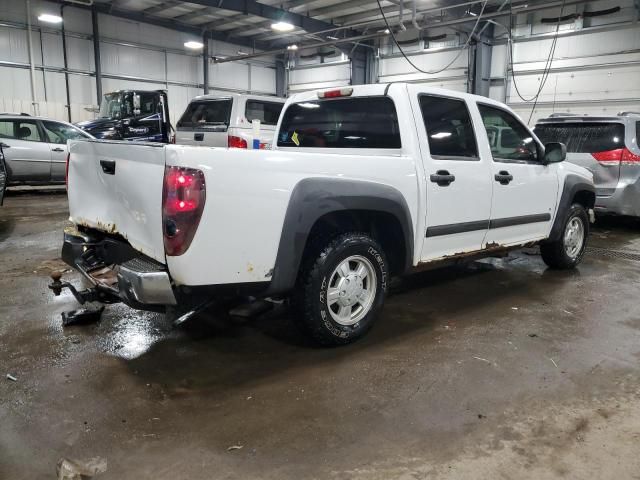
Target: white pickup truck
{"points": [[362, 184]]}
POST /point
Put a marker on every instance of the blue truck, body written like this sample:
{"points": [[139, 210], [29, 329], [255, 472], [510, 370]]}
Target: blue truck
{"points": [[135, 115]]}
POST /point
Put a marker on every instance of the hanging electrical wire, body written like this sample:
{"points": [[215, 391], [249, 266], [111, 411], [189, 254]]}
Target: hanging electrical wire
{"points": [[547, 66], [543, 81], [545, 72], [462, 49], [510, 61]]}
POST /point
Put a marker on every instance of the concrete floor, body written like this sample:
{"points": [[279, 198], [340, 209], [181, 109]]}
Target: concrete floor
{"points": [[502, 369]]}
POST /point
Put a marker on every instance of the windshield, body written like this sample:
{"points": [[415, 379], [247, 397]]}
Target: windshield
{"points": [[206, 112], [113, 106]]}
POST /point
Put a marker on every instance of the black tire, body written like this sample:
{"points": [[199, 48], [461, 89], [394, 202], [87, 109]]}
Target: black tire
{"points": [[319, 269], [555, 253]]}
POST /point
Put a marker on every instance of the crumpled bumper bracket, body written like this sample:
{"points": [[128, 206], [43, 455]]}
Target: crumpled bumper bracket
{"points": [[115, 271]]}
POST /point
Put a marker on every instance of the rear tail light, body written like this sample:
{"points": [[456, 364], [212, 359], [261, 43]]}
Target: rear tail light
{"points": [[236, 142], [614, 157], [183, 198], [66, 171], [610, 157], [630, 157]]}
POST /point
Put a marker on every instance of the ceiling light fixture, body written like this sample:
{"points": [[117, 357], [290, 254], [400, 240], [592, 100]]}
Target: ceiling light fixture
{"points": [[193, 45], [331, 37], [46, 17], [282, 27]]}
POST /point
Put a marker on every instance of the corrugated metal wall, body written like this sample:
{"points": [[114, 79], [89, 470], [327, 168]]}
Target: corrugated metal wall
{"points": [[310, 76], [596, 67], [153, 58]]}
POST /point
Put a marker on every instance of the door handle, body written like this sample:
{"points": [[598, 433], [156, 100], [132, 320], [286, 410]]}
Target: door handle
{"points": [[4, 145], [198, 137], [108, 166], [58, 149], [503, 177], [443, 178]]}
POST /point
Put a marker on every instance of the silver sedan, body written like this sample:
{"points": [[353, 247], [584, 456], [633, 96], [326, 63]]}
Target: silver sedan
{"points": [[35, 148]]}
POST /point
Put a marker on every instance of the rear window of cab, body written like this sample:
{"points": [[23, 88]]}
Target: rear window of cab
{"points": [[353, 122]]}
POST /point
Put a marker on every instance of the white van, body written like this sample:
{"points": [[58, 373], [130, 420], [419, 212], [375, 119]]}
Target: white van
{"points": [[226, 121]]}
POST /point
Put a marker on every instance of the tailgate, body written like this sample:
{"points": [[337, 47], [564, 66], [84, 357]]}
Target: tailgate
{"points": [[116, 187], [203, 137]]}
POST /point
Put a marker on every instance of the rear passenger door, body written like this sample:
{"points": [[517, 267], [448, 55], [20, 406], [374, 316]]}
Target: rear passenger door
{"points": [[27, 156], [524, 190], [458, 185]]}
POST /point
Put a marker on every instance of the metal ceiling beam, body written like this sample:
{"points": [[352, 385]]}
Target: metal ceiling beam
{"points": [[172, 25], [378, 22], [356, 39], [252, 7], [458, 21], [333, 11], [162, 7], [223, 22], [322, 13], [193, 15]]}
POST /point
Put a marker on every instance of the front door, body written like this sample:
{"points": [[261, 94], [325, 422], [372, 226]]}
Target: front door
{"points": [[26, 155], [458, 183], [524, 190], [57, 135]]}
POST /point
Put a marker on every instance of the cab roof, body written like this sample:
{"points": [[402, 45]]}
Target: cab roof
{"points": [[220, 96]]}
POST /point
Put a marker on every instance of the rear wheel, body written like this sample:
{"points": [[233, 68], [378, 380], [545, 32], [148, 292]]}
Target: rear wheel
{"points": [[568, 250], [342, 288]]}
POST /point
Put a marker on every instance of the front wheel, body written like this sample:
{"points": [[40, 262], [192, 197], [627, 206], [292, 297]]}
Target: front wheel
{"points": [[568, 250], [342, 288]]}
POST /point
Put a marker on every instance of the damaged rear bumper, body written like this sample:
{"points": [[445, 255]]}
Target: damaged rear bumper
{"points": [[117, 271]]}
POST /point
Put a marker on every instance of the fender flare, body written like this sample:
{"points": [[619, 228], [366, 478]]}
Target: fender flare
{"points": [[313, 198], [572, 185]]}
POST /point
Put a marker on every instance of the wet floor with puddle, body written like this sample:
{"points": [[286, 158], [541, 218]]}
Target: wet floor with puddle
{"points": [[499, 369]]}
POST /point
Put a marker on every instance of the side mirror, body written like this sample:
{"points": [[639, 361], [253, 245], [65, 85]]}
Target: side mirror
{"points": [[554, 152]]}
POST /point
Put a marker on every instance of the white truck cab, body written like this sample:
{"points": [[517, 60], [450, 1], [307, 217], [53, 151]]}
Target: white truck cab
{"points": [[227, 121], [362, 183]]}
